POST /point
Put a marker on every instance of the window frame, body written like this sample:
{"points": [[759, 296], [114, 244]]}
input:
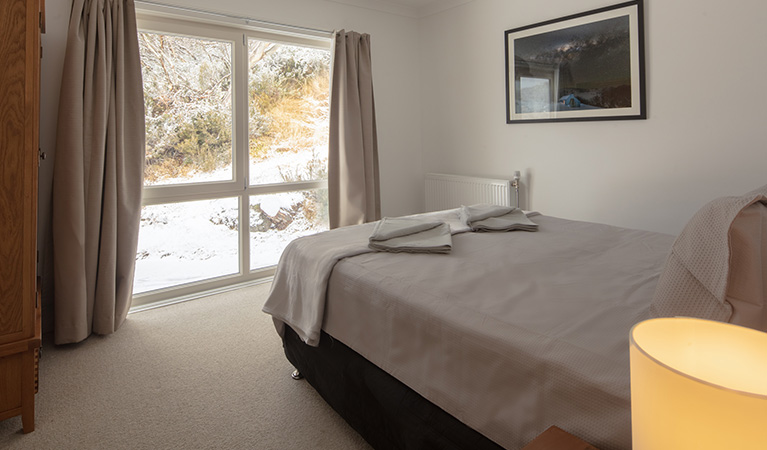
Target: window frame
{"points": [[169, 20]]}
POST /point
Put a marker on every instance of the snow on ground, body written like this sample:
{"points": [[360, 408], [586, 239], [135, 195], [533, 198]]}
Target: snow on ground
{"points": [[191, 241], [178, 243], [269, 169]]}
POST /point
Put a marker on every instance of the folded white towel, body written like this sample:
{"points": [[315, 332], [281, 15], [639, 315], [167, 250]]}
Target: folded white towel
{"points": [[452, 217], [411, 236], [389, 228], [484, 217]]}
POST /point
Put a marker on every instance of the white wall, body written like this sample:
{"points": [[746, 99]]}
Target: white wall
{"points": [[704, 137], [395, 80]]}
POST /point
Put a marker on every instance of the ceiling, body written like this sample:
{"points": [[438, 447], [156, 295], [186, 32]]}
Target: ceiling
{"points": [[408, 8], [414, 3]]}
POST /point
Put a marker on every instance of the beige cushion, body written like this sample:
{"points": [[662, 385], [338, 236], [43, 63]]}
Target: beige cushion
{"points": [[747, 283], [716, 267]]}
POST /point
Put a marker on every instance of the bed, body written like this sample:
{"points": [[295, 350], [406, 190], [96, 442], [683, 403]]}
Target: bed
{"points": [[484, 347]]}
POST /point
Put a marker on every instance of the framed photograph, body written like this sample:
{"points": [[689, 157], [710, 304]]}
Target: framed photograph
{"points": [[587, 66]]}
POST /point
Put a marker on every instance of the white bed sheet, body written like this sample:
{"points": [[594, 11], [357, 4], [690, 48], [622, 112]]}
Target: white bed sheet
{"points": [[511, 332]]}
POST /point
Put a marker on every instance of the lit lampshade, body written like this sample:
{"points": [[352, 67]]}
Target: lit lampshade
{"points": [[698, 384]]}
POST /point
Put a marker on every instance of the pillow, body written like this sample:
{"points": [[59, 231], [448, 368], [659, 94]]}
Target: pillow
{"points": [[716, 266], [747, 282]]}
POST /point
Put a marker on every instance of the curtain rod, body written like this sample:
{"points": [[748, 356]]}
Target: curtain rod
{"points": [[248, 20]]}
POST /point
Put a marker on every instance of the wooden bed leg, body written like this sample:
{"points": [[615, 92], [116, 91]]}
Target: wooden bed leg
{"points": [[296, 375]]}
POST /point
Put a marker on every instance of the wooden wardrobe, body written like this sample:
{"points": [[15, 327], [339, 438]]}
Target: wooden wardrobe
{"points": [[21, 22]]}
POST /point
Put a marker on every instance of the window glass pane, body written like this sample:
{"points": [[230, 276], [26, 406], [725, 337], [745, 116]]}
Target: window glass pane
{"points": [[188, 105], [185, 242], [534, 95], [288, 95], [277, 219]]}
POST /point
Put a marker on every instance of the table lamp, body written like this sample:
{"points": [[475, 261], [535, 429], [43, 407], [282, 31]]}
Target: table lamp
{"points": [[698, 385]]}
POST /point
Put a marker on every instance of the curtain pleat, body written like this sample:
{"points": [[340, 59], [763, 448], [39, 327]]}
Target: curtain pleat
{"points": [[353, 179], [98, 170]]}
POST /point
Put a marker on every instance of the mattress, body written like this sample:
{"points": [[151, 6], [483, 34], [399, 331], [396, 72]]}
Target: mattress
{"points": [[511, 332]]}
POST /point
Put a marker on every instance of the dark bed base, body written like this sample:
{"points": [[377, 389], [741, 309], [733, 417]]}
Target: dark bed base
{"points": [[388, 414]]}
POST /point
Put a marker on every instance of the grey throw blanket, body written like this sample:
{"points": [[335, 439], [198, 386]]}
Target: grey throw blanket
{"points": [[303, 273], [300, 282], [485, 217], [411, 236]]}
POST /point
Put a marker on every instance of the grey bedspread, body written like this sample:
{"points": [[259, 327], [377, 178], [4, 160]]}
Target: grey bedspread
{"points": [[510, 333]]}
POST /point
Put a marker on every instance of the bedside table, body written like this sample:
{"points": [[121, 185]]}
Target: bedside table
{"points": [[555, 438]]}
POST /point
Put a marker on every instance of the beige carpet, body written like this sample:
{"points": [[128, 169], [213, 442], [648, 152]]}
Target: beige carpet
{"points": [[205, 374]]}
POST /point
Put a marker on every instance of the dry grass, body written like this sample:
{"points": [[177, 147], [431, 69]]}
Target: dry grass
{"points": [[293, 120]]}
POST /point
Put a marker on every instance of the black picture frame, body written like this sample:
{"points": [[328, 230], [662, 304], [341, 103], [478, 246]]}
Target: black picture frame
{"points": [[582, 67]]}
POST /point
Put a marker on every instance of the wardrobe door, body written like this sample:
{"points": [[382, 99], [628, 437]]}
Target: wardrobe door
{"points": [[20, 22]]}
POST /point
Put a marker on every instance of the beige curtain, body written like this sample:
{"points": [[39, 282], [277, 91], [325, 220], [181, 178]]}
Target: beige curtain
{"points": [[98, 170], [353, 182]]}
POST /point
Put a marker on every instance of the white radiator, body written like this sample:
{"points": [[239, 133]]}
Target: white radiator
{"points": [[451, 191]]}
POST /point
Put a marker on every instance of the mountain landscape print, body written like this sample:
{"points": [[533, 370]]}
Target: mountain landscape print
{"points": [[592, 62], [574, 65]]}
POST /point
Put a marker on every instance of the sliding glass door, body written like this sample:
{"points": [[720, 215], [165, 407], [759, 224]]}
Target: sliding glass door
{"points": [[236, 153]]}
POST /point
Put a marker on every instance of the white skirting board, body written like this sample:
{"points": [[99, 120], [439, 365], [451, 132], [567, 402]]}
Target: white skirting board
{"points": [[445, 191]]}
